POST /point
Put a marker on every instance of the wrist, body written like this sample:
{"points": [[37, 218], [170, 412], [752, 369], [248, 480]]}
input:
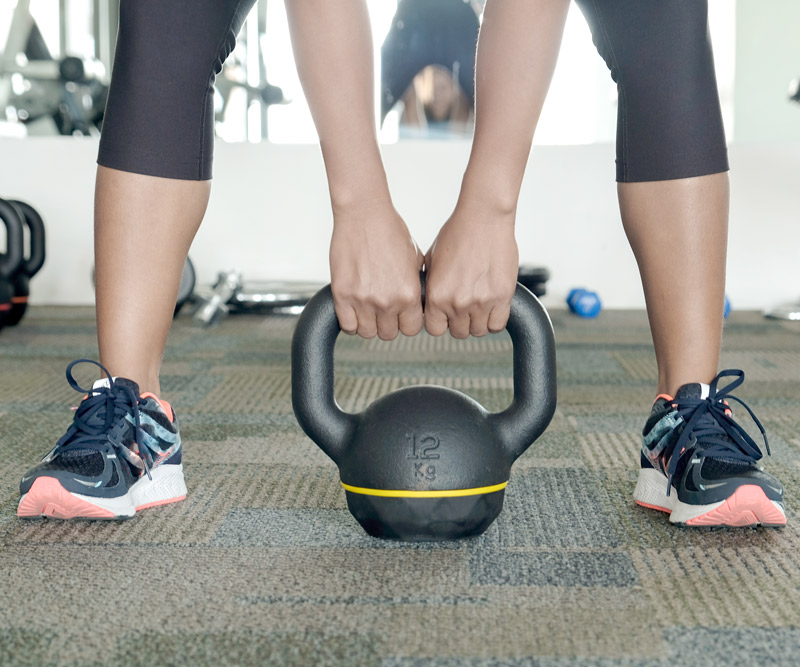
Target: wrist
{"points": [[357, 192], [355, 176], [492, 192], [368, 206], [487, 204]]}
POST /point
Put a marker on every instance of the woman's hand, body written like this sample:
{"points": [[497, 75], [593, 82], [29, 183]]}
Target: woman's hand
{"points": [[472, 271], [375, 265]]}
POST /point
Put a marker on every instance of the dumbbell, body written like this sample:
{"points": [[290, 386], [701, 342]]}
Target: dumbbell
{"points": [[584, 303], [726, 309], [29, 266], [215, 307], [11, 260]]}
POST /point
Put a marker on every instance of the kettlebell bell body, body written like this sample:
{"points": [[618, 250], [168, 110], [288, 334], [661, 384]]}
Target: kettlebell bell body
{"points": [[424, 462], [31, 264], [11, 260]]}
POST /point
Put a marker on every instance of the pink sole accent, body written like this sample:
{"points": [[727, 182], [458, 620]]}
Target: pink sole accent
{"points": [[748, 506], [48, 498], [160, 502], [653, 507]]}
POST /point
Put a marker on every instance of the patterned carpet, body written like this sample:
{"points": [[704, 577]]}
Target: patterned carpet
{"points": [[262, 564]]}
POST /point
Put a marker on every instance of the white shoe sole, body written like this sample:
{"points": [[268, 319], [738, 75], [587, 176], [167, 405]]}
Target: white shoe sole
{"points": [[747, 506], [49, 499]]}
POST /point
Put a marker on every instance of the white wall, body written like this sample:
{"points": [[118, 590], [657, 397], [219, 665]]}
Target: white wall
{"points": [[767, 59], [269, 214]]}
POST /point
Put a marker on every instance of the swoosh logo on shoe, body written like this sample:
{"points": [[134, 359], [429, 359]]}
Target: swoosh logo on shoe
{"points": [[94, 485], [706, 487]]}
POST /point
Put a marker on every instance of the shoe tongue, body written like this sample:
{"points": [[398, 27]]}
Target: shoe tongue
{"points": [[693, 390], [122, 382]]}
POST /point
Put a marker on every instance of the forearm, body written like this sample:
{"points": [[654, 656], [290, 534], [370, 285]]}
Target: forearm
{"points": [[517, 52], [332, 44]]}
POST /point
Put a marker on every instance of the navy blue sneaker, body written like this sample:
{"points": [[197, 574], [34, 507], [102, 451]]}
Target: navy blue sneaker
{"points": [[121, 454], [699, 465]]}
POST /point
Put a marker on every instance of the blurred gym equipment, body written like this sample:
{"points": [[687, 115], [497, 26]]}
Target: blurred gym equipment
{"points": [[794, 90], [68, 91], [231, 295], [534, 278], [584, 303], [32, 260], [243, 84], [11, 259]]}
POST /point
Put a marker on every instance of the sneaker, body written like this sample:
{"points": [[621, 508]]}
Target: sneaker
{"points": [[121, 454], [699, 465]]}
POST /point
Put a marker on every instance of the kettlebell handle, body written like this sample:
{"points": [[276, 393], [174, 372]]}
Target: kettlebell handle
{"points": [[35, 260], [534, 401], [312, 377], [12, 259], [517, 426]]}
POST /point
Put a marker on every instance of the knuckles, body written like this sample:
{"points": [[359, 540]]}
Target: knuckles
{"points": [[403, 302], [465, 302], [382, 302]]}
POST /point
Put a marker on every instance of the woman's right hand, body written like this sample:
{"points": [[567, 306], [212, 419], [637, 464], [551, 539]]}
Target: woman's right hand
{"points": [[375, 265]]}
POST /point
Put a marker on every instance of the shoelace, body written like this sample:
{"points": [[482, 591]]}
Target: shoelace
{"points": [[710, 422], [98, 413]]}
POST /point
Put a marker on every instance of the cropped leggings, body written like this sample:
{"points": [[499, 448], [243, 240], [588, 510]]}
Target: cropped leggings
{"points": [[159, 117]]}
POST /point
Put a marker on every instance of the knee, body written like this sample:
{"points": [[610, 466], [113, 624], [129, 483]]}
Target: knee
{"points": [[165, 43]]}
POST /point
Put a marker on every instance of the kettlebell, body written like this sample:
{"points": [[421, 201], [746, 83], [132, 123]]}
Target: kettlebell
{"points": [[11, 260], [29, 266], [424, 462]]}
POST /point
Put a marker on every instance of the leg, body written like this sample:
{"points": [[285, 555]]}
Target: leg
{"points": [[153, 183], [670, 158], [123, 451], [139, 216], [687, 338], [697, 463]]}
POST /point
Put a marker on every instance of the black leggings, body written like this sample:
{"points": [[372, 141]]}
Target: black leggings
{"points": [[159, 118]]}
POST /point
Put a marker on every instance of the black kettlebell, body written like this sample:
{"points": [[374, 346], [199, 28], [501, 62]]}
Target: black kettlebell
{"points": [[29, 266], [11, 259], [425, 462]]}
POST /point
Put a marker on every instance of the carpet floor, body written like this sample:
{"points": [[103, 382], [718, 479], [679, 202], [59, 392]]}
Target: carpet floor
{"points": [[263, 564]]}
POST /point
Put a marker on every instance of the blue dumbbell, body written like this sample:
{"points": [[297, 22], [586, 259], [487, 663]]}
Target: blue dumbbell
{"points": [[726, 309], [584, 303]]}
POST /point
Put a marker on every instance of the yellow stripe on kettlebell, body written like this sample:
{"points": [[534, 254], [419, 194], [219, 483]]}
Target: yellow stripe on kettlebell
{"points": [[448, 493]]}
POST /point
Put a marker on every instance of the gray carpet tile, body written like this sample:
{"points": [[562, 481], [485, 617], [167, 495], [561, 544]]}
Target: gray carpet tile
{"points": [[262, 564]]}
